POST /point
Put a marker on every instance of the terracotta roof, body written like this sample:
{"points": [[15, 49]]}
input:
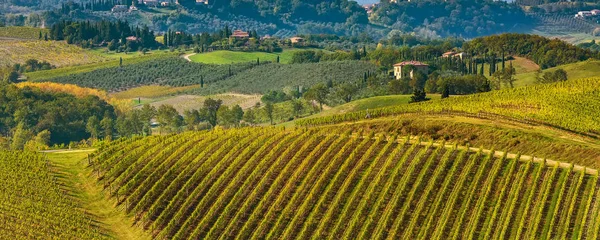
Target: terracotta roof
{"points": [[414, 63], [239, 33]]}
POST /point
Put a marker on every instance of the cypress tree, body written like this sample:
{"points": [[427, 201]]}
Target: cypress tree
{"points": [[201, 81], [40, 37], [277, 58]]}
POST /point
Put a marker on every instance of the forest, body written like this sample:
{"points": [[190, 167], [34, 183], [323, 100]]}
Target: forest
{"points": [[543, 51], [59, 118], [466, 18], [112, 34]]}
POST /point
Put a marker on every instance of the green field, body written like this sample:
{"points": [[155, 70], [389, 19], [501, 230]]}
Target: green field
{"points": [[584, 69], [371, 103], [111, 61], [22, 32], [228, 57], [259, 183]]}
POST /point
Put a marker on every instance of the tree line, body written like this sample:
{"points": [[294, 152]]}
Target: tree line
{"points": [[115, 35]]}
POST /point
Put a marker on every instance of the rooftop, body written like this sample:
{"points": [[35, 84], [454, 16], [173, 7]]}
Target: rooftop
{"points": [[413, 63]]}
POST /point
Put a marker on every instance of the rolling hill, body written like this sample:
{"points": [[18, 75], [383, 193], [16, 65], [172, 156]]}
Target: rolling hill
{"points": [[295, 184], [35, 204], [571, 105]]}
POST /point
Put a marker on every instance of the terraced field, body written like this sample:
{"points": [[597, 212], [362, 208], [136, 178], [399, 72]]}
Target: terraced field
{"points": [[299, 184], [35, 205]]}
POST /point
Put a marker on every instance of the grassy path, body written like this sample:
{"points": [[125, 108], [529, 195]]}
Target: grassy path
{"points": [[78, 177]]}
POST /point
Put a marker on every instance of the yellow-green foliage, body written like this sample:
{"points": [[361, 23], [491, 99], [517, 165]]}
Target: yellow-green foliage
{"points": [[22, 32], [258, 183], [35, 206], [55, 52], [572, 105]]}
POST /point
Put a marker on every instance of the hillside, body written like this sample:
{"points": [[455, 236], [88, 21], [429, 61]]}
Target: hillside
{"points": [[584, 69], [170, 71], [270, 183], [571, 105], [56, 53], [36, 204], [22, 32], [279, 76], [228, 57]]}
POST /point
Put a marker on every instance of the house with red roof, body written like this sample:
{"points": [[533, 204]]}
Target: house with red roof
{"points": [[401, 72]]}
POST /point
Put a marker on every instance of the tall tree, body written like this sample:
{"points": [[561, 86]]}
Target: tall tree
{"points": [[212, 107]]}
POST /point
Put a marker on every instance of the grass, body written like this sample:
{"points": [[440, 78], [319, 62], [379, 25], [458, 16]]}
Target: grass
{"points": [[57, 53], [371, 103], [189, 102], [227, 57], [84, 68], [21, 32], [584, 69], [85, 187]]}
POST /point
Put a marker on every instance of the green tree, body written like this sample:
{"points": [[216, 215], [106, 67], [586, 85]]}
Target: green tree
{"points": [[317, 93], [297, 107], [269, 108], [191, 119], [249, 117], [93, 127], [168, 118], [20, 137], [345, 91], [418, 96], [212, 107], [237, 113], [107, 124]]}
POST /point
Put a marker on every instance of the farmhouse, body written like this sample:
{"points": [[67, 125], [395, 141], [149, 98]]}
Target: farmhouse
{"points": [[583, 14], [297, 40], [239, 34], [120, 8], [151, 3], [400, 72], [452, 54]]}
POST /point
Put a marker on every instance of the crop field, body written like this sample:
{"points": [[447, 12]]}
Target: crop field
{"points": [[34, 204], [111, 62], [276, 184], [228, 57], [167, 71], [54, 52], [275, 76], [21, 32], [571, 105]]}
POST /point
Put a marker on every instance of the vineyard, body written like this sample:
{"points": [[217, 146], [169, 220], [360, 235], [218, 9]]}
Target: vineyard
{"points": [[258, 183], [85, 68], [33, 204], [22, 32], [571, 105], [170, 71], [278, 76], [56, 53]]}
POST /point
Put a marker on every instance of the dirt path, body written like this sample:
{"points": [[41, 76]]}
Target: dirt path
{"points": [[187, 56], [80, 179]]}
